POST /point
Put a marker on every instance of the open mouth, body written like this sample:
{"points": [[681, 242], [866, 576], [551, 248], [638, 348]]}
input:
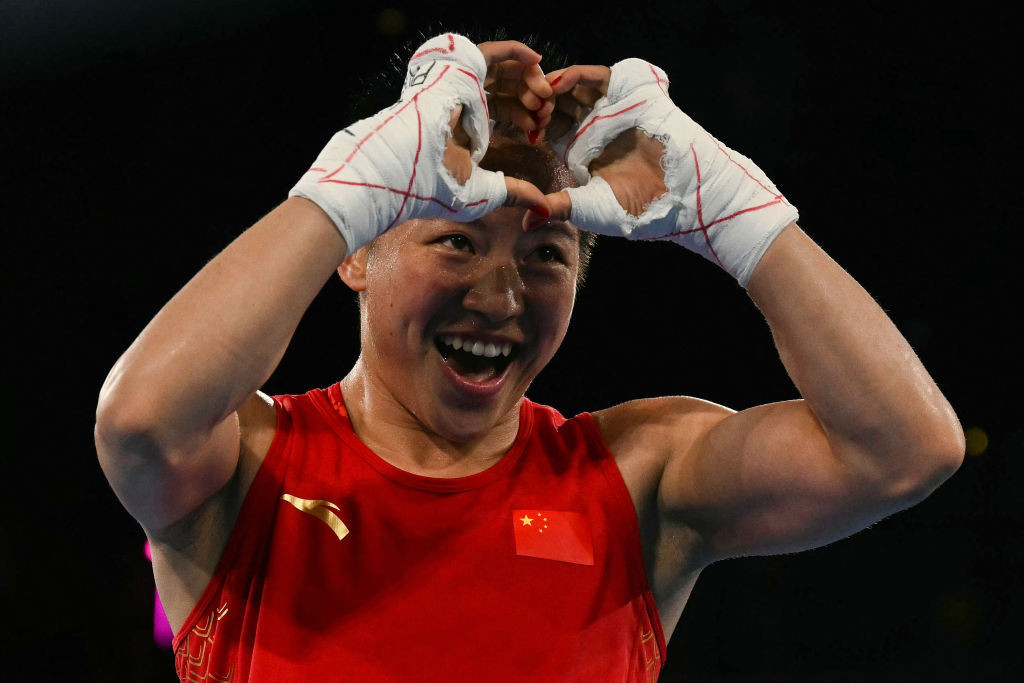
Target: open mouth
{"points": [[473, 359]]}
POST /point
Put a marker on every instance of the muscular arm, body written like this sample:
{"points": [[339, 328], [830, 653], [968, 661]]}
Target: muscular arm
{"points": [[167, 432], [872, 435]]}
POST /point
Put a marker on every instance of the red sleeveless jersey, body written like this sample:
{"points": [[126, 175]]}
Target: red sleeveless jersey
{"points": [[342, 567]]}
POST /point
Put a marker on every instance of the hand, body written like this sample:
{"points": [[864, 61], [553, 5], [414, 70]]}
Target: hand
{"points": [[648, 171], [516, 88], [630, 163], [417, 158]]}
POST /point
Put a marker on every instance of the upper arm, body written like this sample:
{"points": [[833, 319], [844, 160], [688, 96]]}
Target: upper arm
{"points": [[767, 480], [159, 484]]}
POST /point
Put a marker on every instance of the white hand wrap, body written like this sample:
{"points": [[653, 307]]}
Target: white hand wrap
{"points": [[388, 169], [719, 203]]}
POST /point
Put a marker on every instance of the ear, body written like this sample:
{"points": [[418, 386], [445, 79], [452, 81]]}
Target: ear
{"points": [[353, 270]]}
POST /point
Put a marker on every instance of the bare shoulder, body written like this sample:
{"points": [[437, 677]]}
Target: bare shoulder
{"points": [[642, 434], [664, 424], [185, 555]]}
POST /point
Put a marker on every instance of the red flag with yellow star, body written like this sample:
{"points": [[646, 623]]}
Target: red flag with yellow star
{"points": [[553, 535]]}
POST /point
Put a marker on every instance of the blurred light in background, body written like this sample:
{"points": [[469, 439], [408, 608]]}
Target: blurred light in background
{"points": [[162, 633], [959, 616], [977, 440], [391, 22]]}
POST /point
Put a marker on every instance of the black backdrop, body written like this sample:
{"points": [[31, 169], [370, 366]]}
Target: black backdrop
{"points": [[139, 138]]}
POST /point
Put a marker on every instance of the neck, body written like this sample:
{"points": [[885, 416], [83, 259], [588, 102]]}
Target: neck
{"points": [[394, 432]]}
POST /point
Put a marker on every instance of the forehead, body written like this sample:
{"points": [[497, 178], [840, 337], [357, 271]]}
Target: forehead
{"points": [[505, 222]]}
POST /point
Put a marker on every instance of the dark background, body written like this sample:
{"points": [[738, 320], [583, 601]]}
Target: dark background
{"points": [[138, 138]]}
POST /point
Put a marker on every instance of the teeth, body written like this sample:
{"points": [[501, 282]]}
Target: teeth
{"points": [[477, 348]]}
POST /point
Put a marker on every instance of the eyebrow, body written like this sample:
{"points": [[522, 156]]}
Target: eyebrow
{"points": [[560, 227]]}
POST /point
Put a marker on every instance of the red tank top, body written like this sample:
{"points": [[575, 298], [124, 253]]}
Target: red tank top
{"points": [[343, 567]]}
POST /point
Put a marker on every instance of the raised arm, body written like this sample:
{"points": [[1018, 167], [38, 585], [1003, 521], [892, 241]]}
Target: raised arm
{"points": [[872, 435], [167, 432], [178, 405]]}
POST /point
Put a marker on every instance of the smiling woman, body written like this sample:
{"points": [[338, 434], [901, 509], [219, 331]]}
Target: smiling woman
{"points": [[466, 249], [485, 282]]}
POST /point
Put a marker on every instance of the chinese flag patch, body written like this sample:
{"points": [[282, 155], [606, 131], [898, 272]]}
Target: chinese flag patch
{"points": [[553, 535]]}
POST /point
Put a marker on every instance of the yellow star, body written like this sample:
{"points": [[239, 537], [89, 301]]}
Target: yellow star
{"points": [[525, 519]]}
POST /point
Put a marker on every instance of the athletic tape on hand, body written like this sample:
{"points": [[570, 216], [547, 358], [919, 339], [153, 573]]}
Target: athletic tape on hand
{"points": [[388, 168], [719, 203]]}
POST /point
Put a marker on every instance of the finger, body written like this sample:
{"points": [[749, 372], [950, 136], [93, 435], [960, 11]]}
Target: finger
{"points": [[589, 75], [504, 77], [495, 51], [529, 99], [524, 194], [511, 109], [594, 207], [546, 109], [534, 79], [560, 204]]}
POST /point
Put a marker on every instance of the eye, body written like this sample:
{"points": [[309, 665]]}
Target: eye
{"points": [[548, 254], [457, 242]]}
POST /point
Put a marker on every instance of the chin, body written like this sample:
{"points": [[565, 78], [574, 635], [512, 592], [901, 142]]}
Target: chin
{"points": [[466, 425]]}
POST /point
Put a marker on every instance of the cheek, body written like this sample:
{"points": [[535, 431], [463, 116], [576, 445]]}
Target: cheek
{"points": [[554, 306], [401, 300]]}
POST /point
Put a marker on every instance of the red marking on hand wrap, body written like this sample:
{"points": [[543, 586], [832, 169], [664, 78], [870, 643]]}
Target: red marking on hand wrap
{"points": [[725, 151], [385, 122], [565, 157], [659, 79], [415, 163], [406, 194], [480, 90], [704, 227], [402, 193], [451, 49], [700, 210]]}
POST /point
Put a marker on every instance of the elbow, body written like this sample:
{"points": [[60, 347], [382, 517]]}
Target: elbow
{"points": [[122, 432], [125, 426], [944, 445], [936, 457]]}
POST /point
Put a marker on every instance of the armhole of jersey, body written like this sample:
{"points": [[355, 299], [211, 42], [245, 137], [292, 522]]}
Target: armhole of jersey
{"points": [[624, 503], [254, 514]]}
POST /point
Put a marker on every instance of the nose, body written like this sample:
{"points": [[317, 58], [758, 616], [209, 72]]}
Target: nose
{"points": [[497, 293]]}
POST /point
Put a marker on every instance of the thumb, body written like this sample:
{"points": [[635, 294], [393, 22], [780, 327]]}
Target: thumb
{"points": [[594, 208], [561, 205], [524, 193]]}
